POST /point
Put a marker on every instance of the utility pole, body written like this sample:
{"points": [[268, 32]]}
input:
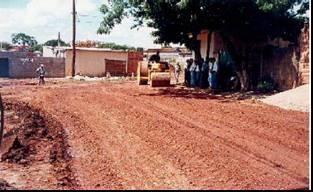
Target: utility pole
{"points": [[59, 40], [1, 119], [74, 39]]}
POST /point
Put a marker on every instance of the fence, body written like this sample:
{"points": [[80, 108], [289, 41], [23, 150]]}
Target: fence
{"points": [[1, 119]]}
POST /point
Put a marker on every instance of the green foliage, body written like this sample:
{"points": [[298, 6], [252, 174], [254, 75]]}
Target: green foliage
{"points": [[174, 20], [6, 45], [140, 49], [23, 39], [265, 87], [37, 47], [54, 43], [250, 22], [114, 46]]}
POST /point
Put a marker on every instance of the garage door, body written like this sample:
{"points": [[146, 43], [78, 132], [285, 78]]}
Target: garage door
{"points": [[115, 67], [4, 67]]}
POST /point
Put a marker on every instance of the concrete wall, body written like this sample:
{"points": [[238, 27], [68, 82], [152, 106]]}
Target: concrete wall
{"points": [[21, 65], [92, 63], [282, 66], [304, 63], [215, 46], [49, 51]]}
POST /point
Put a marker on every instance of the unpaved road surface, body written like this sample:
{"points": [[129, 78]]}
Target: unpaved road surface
{"points": [[122, 136]]}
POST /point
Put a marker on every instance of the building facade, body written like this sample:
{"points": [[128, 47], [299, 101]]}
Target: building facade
{"points": [[95, 62]]}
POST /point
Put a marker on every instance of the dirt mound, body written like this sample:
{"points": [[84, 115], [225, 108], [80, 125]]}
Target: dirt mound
{"points": [[296, 99], [36, 137], [5, 186], [28, 132]]}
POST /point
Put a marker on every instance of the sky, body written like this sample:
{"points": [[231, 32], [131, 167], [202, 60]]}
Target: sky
{"points": [[43, 19]]}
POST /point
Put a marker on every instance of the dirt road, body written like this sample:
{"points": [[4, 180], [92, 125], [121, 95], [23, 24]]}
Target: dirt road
{"points": [[122, 136]]}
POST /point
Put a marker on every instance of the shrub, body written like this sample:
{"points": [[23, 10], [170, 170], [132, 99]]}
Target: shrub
{"points": [[265, 87]]}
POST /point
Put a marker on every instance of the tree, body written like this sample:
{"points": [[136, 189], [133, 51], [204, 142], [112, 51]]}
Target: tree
{"points": [[23, 39], [54, 43], [249, 22], [37, 47], [114, 46], [88, 44], [5, 45]]}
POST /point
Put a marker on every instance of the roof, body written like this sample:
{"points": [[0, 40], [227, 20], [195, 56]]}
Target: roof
{"points": [[169, 50], [96, 49]]}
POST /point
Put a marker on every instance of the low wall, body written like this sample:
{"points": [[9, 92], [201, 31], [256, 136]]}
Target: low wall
{"points": [[20, 68], [21, 65]]}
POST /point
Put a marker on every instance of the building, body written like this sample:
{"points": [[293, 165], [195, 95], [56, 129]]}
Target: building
{"points": [[171, 55], [23, 64], [49, 51], [96, 62], [285, 62]]}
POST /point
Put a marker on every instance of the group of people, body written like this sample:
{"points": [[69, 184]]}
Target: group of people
{"points": [[202, 73]]}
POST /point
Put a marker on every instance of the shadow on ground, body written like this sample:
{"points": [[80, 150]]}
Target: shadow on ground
{"points": [[190, 93]]}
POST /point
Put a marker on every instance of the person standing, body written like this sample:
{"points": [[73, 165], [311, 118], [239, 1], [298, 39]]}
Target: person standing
{"points": [[213, 69], [177, 72], [187, 72], [198, 73], [205, 74], [41, 72], [193, 80], [155, 58]]}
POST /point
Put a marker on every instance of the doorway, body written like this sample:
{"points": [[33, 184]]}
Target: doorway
{"points": [[4, 67]]}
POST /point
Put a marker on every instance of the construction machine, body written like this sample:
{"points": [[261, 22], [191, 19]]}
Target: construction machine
{"points": [[157, 74]]}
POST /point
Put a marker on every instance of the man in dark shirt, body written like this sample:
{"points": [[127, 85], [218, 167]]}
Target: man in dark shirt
{"points": [[156, 57]]}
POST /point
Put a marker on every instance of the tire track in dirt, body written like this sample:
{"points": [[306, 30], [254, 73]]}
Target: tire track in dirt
{"points": [[243, 149], [148, 142], [255, 121], [134, 177]]}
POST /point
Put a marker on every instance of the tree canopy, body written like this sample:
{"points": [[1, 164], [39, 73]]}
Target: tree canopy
{"points": [[174, 20], [5, 45], [54, 43], [23, 39], [249, 22], [114, 46]]}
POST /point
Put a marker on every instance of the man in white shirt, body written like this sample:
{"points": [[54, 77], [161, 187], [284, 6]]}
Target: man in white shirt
{"points": [[213, 69]]}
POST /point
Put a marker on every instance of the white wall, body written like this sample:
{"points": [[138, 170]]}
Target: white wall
{"points": [[48, 52]]}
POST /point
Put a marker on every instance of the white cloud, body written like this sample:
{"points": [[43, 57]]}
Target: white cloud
{"points": [[44, 19]]}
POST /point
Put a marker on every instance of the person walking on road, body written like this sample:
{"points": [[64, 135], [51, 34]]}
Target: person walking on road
{"points": [[41, 72]]}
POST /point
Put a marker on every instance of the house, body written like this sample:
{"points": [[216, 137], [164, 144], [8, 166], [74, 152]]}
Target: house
{"points": [[170, 55], [286, 63], [96, 62], [49, 51]]}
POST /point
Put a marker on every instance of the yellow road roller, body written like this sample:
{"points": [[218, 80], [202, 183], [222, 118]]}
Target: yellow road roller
{"points": [[157, 74]]}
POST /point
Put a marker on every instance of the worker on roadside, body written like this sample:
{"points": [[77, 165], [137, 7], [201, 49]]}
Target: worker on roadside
{"points": [[177, 72], [198, 72], [41, 72], [213, 69], [187, 72], [155, 58], [194, 70], [205, 74]]}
